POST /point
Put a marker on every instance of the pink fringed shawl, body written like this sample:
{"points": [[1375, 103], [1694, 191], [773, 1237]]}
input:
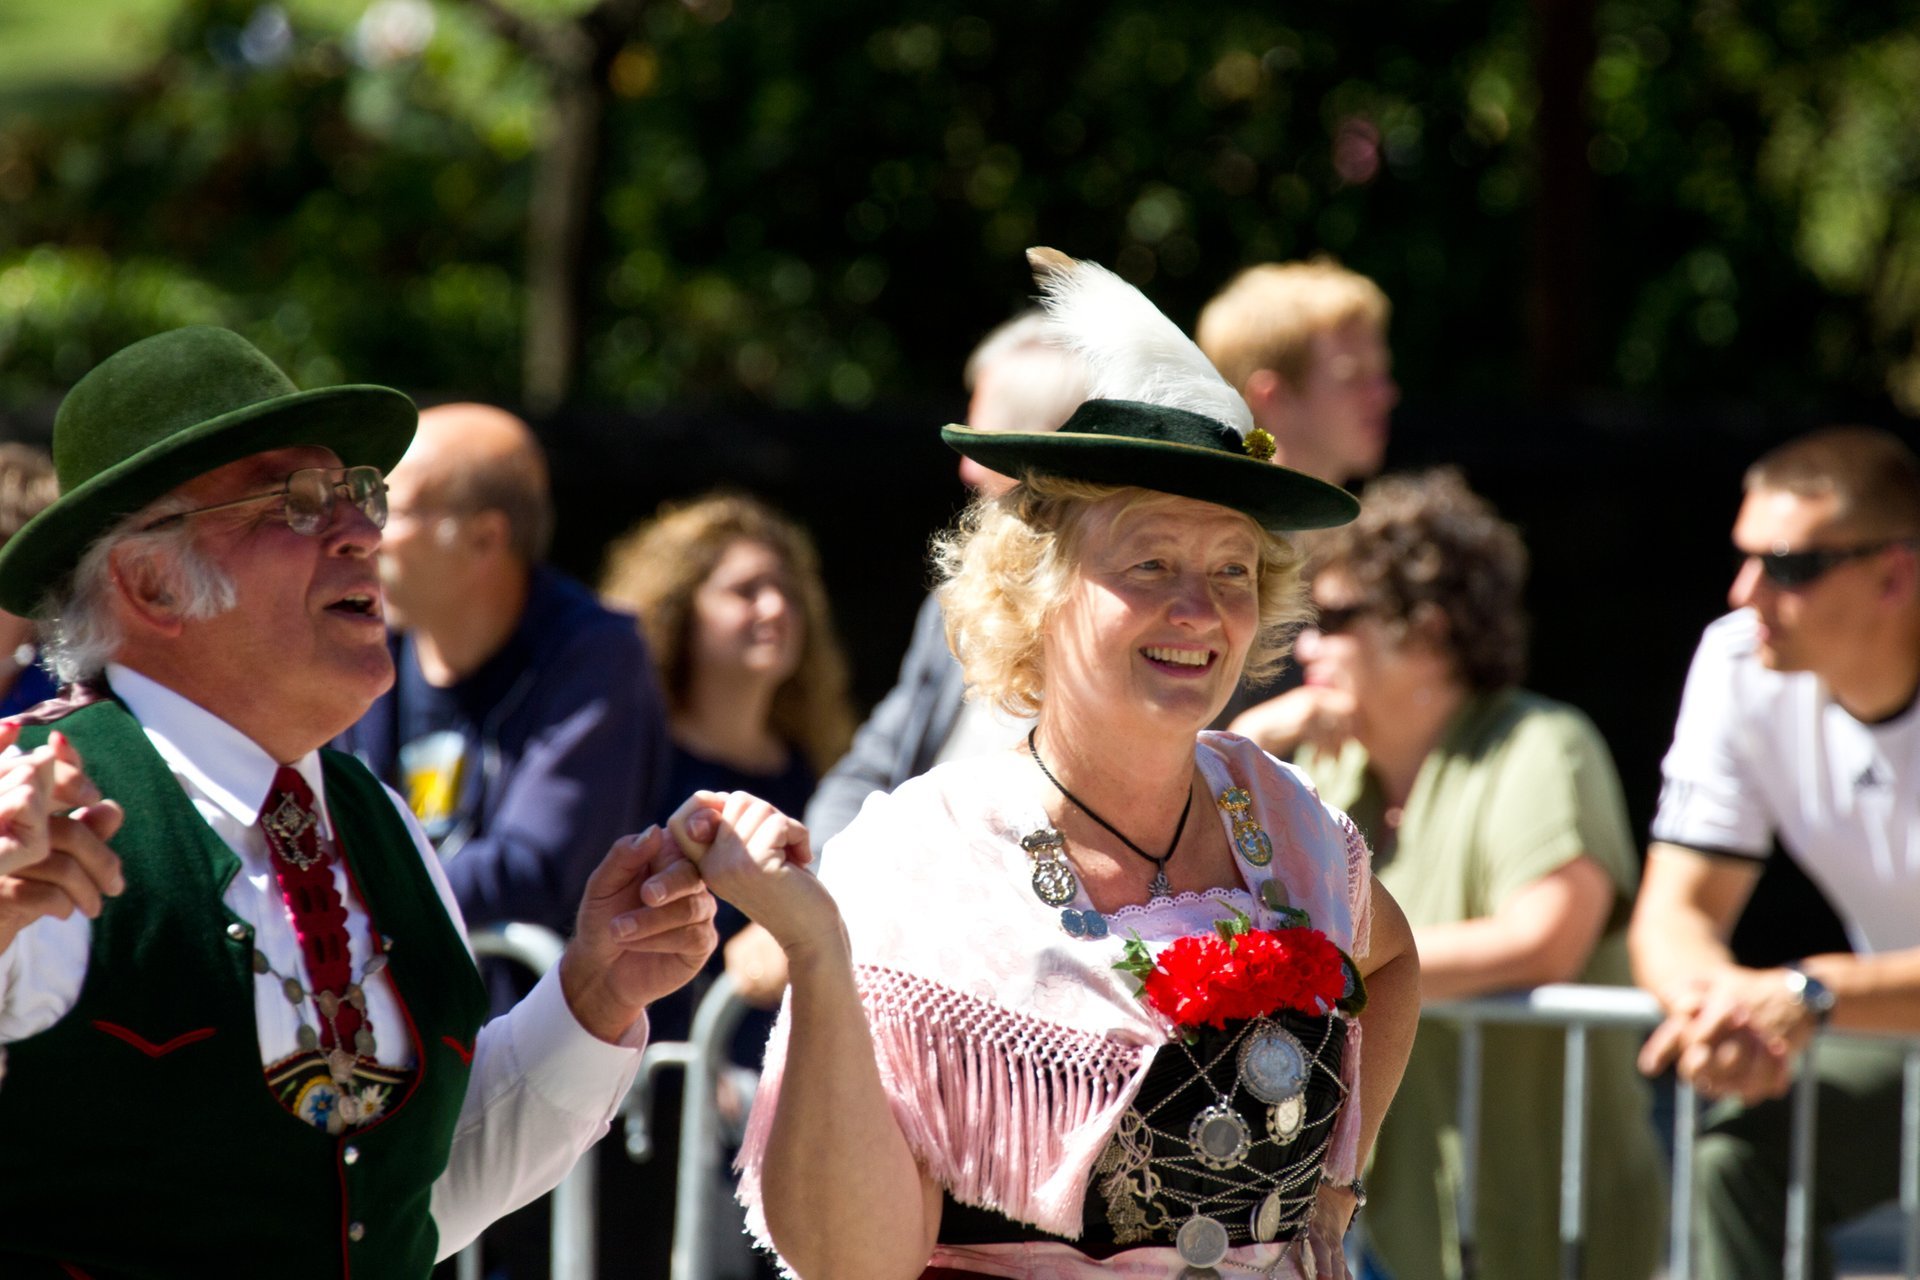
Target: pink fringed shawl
{"points": [[1009, 1049]]}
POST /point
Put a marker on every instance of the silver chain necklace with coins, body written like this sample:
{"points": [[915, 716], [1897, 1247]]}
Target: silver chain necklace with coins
{"points": [[1236, 1203], [341, 1061]]}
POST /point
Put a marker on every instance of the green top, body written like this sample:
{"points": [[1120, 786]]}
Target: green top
{"points": [[175, 1159], [1517, 787]]}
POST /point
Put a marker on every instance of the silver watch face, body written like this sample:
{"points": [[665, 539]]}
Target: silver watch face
{"points": [[1812, 993]]}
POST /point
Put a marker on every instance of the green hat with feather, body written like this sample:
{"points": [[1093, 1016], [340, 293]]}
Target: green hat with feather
{"points": [[1160, 416]]}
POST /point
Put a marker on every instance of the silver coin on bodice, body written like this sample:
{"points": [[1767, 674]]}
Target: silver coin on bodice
{"points": [[1220, 1138], [1264, 1222], [1202, 1242], [1273, 1064]]}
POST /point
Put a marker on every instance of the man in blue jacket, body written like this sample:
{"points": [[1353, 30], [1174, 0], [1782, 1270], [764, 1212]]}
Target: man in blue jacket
{"points": [[525, 725]]}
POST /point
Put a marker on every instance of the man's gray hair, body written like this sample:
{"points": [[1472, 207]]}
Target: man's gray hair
{"points": [[78, 629]]}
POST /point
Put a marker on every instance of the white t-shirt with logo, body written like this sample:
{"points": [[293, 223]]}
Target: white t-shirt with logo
{"points": [[1759, 753]]}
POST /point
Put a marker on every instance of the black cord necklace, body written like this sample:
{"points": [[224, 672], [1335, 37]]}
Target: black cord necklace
{"points": [[1161, 886]]}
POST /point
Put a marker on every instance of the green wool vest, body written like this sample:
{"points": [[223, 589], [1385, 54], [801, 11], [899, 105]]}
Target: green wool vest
{"points": [[138, 1137]]}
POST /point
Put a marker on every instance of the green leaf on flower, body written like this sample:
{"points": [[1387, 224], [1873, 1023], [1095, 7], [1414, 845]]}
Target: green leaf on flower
{"points": [[1231, 929], [1135, 958]]}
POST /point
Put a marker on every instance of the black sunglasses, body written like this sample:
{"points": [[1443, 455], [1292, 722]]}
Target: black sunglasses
{"points": [[1337, 619], [1792, 569]]}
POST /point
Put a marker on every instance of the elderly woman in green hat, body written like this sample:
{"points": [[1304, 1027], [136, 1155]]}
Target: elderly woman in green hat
{"points": [[1126, 1000], [265, 1055]]}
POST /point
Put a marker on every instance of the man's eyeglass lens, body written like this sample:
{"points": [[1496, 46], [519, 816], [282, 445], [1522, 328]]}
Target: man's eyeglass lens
{"points": [[311, 494], [307, 501]]}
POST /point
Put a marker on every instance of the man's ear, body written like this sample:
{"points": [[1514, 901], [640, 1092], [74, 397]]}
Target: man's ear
{"points": [[1265, 388], [1901, 580], [146, 590], [487, 533]]}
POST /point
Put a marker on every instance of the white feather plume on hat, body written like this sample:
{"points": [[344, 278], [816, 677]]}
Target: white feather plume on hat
{"points": [[1132, 351]]}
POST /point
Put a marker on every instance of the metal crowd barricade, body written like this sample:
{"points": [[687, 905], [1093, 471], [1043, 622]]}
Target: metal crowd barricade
{"points": [[575, 1202], [1578, 1009]]}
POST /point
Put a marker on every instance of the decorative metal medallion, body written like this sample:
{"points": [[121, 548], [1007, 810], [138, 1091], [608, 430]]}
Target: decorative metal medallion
{"points": [[1161, 887], [1044, 841], [1264, 1222], [1253, 843], [1054, 881], [1273, 1064], [1274, 895], [1053, 878], [289, 821], [1248, 838], [1220, 1140], [1287, 1117], [1202, 1242]]}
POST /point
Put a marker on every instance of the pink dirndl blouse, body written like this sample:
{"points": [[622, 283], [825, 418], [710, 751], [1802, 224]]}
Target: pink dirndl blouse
{"points": [[1009, 1049]]}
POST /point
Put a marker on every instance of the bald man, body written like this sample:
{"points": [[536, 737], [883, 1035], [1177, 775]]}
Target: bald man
{"points": [[524, 726]]}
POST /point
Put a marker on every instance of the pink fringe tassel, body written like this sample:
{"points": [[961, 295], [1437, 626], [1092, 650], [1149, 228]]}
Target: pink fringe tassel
{"points": [[1006, 1111]]}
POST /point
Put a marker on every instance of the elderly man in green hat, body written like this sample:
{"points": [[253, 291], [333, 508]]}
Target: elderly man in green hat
{"points": [[262, 1053]]}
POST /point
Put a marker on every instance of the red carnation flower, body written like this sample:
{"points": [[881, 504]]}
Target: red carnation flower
{"points": [[1208, 979]]}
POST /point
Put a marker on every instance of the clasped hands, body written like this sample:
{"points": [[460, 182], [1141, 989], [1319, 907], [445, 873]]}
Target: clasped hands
{"points": [[54, 829], [1735, 1033]]}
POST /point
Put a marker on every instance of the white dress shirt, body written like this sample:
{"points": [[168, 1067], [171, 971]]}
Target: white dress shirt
{"points": [[542, 1090]]}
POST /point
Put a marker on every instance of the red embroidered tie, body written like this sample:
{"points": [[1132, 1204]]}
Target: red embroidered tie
{"points": [[305, 873]]}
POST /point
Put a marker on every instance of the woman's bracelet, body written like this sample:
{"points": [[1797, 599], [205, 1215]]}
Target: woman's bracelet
{"points": [[1356, 1187]]}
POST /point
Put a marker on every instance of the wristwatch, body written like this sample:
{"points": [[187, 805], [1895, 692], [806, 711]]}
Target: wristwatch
{"points": [[1357, 1187], [1811, 994]]}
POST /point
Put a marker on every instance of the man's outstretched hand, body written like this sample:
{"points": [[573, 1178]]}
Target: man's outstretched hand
{"points": [[645, 928]]}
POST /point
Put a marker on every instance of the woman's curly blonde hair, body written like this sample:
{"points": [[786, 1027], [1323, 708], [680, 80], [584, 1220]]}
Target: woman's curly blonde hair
{"points": [[1009, 563], [655, 569]]}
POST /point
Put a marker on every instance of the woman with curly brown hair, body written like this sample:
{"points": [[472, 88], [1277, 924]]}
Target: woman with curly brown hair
{"points": [[1497, 821], [729, 594]]}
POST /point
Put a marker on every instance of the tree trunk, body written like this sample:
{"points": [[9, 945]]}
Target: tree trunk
{"points": [[559, 225], [1559, 296]]}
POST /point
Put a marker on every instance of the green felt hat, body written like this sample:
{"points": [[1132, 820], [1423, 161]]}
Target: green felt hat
{"points": [[1151, 446], [171, 407]]}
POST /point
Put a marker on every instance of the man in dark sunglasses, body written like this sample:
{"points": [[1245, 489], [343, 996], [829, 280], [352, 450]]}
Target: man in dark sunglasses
{"points": [[1799, 725], [252, 1001]]}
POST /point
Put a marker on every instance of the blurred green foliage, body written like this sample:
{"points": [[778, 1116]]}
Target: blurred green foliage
{"points": [[811, 204]]}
